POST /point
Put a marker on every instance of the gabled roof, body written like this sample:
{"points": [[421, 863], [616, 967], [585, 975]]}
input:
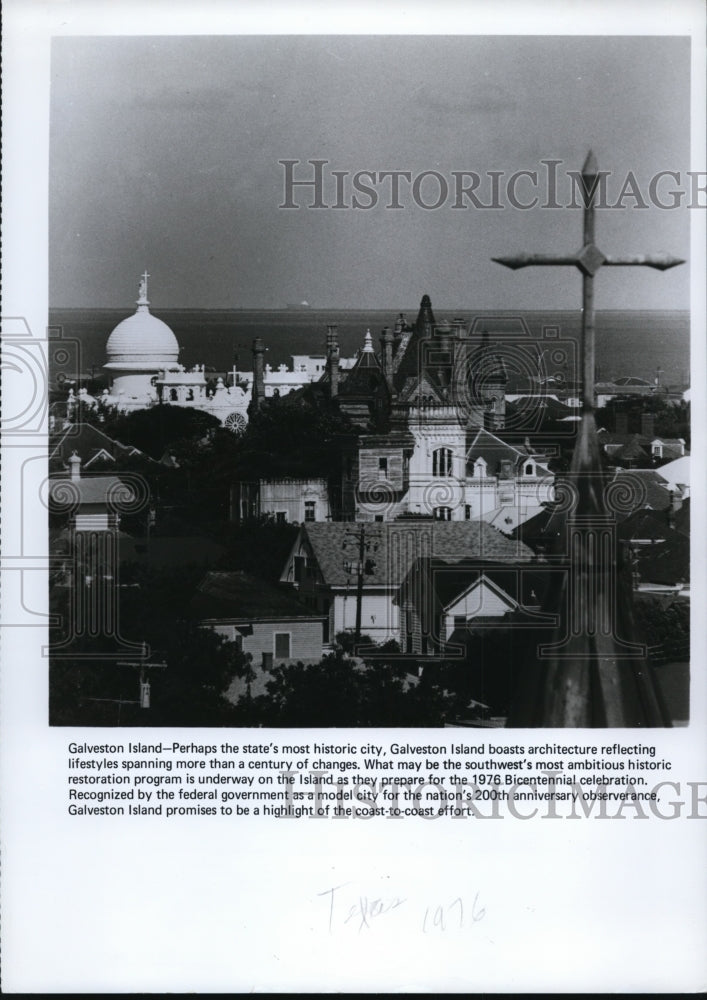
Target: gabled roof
{"points": [[644, 524], [415, 390], [493, 450], [239, 595], [400, 544], [677, 472], [630, 452], [650, 488], [452, 579], [86, 440], [481, 581]]}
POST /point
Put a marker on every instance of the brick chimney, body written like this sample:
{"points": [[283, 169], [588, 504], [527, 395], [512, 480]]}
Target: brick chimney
{"points": [[258, 374], [333, 359], [648, 425], [75, 466]]}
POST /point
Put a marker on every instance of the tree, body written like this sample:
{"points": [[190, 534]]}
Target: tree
{"points": [[339, 691], [160, 428], [292, 436]]}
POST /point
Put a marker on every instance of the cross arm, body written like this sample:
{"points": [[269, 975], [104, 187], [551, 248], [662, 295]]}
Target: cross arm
{"points": [[660, 261], [535, 260]]}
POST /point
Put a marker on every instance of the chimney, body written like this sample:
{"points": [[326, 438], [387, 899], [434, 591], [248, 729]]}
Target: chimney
{"points": [[387, 354], [333, 360], [621, 423], [648, 425], [75, 466], [258, 375]]}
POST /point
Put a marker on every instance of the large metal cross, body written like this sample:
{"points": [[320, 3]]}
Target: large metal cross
{"points": [[594, 674], [588, 260]]}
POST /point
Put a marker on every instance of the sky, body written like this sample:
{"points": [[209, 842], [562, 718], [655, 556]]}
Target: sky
{"points": [[164, 154]]}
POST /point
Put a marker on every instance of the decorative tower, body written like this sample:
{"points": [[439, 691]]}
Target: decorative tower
{"points": [[139, 350], [258, 375]]}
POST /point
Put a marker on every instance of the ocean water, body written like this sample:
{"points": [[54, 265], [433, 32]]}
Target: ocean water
{"points": [[627, 342]]}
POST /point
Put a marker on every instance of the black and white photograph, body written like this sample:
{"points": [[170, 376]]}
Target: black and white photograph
{"points": [[353, 363], [370, 402]]}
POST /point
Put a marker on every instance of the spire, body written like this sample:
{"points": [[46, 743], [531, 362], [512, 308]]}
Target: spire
{"points": [[590, 168], [142, 300], [368, 342], [425, 322]]}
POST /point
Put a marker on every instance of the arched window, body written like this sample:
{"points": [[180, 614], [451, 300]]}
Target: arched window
{"points": [[443, 513], [173, 395], [530, 469], [442, 462]]}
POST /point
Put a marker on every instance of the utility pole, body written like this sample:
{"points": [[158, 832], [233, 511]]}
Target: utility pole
{"points": [[365, 543], [592, 675], [143, 665]]}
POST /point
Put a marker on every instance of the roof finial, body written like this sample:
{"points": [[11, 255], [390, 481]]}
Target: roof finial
{"points": [[142, 290], [368, 342]]}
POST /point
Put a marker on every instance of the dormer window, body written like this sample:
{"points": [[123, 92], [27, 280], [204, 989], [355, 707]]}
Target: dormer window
{"points": [[480, 468], [442, 462], [529, 469]]}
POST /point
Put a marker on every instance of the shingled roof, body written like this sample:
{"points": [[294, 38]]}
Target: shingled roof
{"points": [[650, 487], [401, 543], [241, 595], [87, 441], [64, 491], [484, 444]]}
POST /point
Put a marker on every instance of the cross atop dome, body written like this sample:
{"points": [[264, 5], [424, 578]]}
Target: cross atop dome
{"points": [[142, 290]]}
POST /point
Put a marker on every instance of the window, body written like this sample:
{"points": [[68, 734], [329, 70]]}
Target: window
{"points": [[281, 516], [300, 563], [309, 509], [467, 512], [383, 466], [378, 517], [442, 462], [282, 645], [443, 513], [530, 469]]}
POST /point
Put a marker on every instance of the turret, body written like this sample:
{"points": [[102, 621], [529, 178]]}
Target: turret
{"points": [[258, 374], [333, 359], [387, 355]]}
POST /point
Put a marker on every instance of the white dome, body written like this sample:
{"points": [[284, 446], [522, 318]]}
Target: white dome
{"points": [[142, 341]]}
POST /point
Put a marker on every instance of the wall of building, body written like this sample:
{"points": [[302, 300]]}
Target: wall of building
{"points": [[379, 616], [482, 600], [295, 500], [306, 639]]}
